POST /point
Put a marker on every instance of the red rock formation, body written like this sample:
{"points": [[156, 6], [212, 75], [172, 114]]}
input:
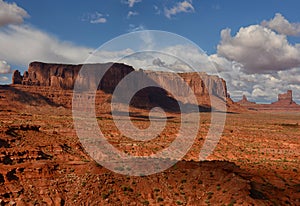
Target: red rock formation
{"points": [[244, 102], [17, 77], [285, 103], [63, 76], [285, 99]]}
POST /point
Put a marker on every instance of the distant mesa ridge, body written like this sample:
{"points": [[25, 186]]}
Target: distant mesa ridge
{"points": [[285, 102], [57, 81], [63, 76], [60, 78], [285, 99]]}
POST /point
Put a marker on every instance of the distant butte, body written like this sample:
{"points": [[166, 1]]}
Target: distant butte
{"points": [[285, 99], [244, 101], [285, 102]]}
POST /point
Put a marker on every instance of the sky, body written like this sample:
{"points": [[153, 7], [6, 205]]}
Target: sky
{"points": [[255, 45]]}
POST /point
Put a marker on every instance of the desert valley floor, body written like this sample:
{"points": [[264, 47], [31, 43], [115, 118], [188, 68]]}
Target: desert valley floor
{"points": [[256, 162]]}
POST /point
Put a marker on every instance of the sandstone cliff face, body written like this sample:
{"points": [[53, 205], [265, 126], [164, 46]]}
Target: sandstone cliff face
{"points": [[203, 84], [17, 77], [54, 75], [63, 76], [187, 88]]}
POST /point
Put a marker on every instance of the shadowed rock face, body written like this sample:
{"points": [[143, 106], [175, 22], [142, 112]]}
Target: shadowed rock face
{"points": [[17, 77], [63, 76], [151, 88]]}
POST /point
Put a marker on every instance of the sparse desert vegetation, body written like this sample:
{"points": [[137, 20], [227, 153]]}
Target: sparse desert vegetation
{"points": [[255, 162]]}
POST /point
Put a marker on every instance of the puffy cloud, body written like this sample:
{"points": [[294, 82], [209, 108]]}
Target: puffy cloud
{"points": [[132, 2], [158, 62], [132, 13], [104, 56], [3, 79], [196, 59], [262, 88], [180, 7], [99, 20], [23, 44], [257, 87], [267, 88], [95, 18], [175, 65], [221, 63], [259, 61], [282, 25], [259, 49], [4, 67], [292, 76], [11, 13], [133, 28]]}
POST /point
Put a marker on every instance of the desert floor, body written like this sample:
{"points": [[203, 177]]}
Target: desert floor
{"points": [[256, 161]]}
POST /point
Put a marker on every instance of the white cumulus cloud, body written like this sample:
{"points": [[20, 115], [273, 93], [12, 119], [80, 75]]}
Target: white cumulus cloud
{"points": [[180, 7], [22, 44], [4, 67], [292, 76], [131, 3], [132, 13], [95, 18], [281, 25], [99, 20], [11, 13], [3, 79], [259, 49]]}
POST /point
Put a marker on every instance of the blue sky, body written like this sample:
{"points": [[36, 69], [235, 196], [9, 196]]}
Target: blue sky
{"points": [[27, 27], [71, 22]]}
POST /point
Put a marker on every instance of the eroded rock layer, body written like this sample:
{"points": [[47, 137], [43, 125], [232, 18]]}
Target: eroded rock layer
{"points": [[63, 76]]}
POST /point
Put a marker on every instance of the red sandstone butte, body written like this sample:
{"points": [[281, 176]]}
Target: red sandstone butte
{"points": [[285, 102], [245, 102], [285, 99], [62, 77]]}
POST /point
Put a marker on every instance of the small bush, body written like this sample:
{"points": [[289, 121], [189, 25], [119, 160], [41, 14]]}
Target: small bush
{"points": [[156, 190], [160, 199], [178, 202], [209, 195], [145, 202], [129, 189]]}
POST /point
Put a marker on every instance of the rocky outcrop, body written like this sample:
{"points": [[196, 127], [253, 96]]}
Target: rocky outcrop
{"points": [[244, 102], [17, 77], [63, 76], [285, 99], [285, 103]]}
